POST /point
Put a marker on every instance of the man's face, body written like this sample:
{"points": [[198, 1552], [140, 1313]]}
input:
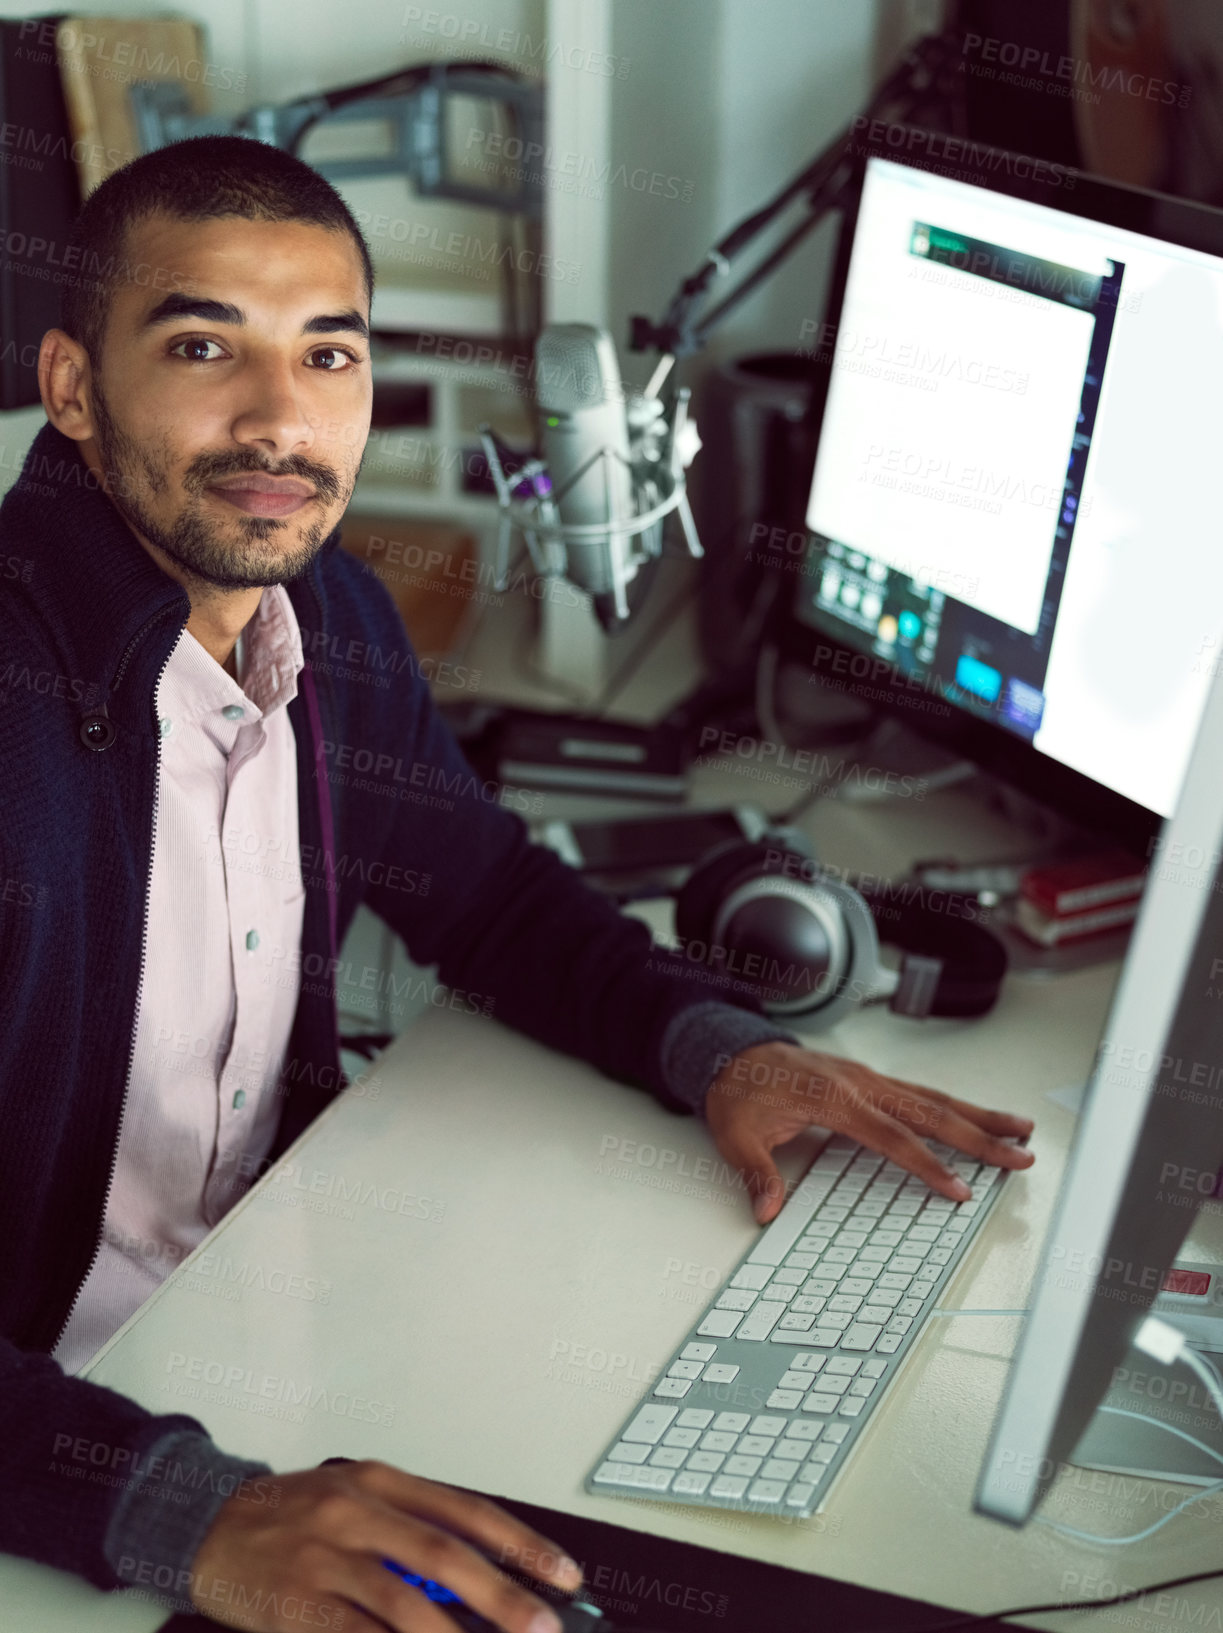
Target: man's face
{"points": [[231, 402]]}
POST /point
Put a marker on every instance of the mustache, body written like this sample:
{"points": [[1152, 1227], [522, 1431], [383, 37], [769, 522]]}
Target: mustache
{"points": [[205, 469]]}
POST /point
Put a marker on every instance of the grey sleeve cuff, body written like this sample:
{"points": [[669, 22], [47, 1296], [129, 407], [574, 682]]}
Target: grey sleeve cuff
{"points": [[171, 1500], [699, 1041]]}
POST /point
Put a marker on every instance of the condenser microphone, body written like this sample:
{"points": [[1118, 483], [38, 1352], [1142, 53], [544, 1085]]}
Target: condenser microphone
{"points": [[587, 448]]}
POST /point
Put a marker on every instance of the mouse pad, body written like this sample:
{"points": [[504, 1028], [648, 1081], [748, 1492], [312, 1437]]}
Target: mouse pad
{"points": [[648, 1584]]}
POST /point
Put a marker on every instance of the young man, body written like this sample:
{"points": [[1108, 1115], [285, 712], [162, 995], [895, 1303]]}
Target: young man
{"points": [[166, 1035]]}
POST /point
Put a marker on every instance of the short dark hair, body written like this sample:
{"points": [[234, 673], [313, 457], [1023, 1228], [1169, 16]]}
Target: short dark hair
{"points": [[201, 179]]}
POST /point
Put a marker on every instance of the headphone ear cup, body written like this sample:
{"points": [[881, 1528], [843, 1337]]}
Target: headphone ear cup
{"points": [[710, 882]]}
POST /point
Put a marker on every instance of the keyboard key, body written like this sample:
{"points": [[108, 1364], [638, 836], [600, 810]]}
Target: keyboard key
{"points": [[940, 1255], [840, 1255], [835, 1432], [698, 1352], [759, 1323], [681, 1437], [851, 1406], [799, 1495], [742, 1465], [732, 1422], [692, 1417], [718, 1440], [720, 1372], [864, 1387], [823, 1453], [802, 1429], [886, 1238], [786, 1277], [836, 1320], [754, 1276], [864, 1270], [667, 1457], [785, 1400], [857, 1285], [909, 1306], [821, 1403], [906, 1266], [796, 1323], [876, 1255], [820, 1286], [915, 1250], [800, 1261], [705, 1462], [890, 1343], [922, 1233], [794, 1379], [843, 1366], [651, 1423], [862, 1335], [851, 1238], [756, 1445], [767, 1491], [845, 1304], [806, 1305], [684, 1369], [625, 1474], [879, 1314], [736, 1298], [888, 1296], [728, 1485], [719, 1324], [673, 1388], [826, 1337], [815, 1243], [763, 1425], [808, 1361], [891, 1279], [627, 1452], [832, 1384], [688, 1484], [900, 1323], [874, 1369], [780, 1468]]}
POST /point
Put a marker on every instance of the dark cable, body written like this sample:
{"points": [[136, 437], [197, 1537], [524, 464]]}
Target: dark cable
{"points": [[1063, 1604]]}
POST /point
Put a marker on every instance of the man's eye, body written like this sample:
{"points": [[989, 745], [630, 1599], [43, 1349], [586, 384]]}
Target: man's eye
{"points": [[196, 350], [332, 359]]}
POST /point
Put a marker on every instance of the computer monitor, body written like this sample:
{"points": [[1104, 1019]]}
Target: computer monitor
{"points": [[1017, 480], [1147, 1153]]}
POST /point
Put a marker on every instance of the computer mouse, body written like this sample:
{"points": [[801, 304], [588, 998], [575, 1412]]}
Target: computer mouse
{"points": [[576, 1615]]}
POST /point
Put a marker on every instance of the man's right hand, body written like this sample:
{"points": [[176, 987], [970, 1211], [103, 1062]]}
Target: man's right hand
{"points": [[304, 1550]]}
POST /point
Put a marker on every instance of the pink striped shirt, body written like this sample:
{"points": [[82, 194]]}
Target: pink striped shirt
{"points": [[221, 968]]}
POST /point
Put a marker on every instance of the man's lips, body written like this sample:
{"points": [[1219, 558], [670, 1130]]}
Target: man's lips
{"points": [[260, 495]]}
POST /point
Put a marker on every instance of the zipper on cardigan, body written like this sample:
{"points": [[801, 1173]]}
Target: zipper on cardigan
{"points": [[144, 950]]}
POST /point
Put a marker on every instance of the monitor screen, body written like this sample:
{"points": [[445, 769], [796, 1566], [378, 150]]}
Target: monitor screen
{"points": [[1146, 1157], [1018, 479]]}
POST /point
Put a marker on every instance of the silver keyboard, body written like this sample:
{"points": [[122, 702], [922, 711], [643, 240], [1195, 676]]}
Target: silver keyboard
{"points": [[764, 1401]]}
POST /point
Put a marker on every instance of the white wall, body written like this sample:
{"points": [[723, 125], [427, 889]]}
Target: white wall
{"points": [[716, 101]]}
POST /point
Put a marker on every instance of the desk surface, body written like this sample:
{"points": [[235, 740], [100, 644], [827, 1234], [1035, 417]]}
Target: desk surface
{"points": [[493, 1246], [471, 1266]]}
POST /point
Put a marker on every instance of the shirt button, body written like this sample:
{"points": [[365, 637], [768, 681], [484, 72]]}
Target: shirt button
{"points": [[252, 940], [239, 1099], [233, 711], [165, 727]]}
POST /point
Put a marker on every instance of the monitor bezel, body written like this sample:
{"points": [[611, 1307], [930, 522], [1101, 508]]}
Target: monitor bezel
{"points": [[997, 751]]}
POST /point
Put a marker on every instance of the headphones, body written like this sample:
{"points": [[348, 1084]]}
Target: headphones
{"points": [[808, 944]]}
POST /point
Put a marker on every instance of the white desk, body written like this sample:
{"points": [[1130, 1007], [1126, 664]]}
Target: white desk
{"points": [[479, 1338]]}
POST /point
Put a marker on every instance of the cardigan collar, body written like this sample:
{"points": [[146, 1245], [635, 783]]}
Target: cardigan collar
{"points": [[113, 614]]}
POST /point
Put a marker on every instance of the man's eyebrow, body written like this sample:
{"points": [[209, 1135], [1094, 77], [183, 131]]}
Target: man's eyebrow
{"points": [[177, 306]]}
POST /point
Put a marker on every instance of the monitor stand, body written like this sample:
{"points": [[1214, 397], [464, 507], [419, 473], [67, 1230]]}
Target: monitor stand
{"points": [[1171, 1394]]}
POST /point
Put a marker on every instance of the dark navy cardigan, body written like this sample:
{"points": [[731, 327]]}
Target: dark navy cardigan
{"points": [[87, 622]]}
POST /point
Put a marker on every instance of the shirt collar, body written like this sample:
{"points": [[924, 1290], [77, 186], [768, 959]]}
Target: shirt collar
{"points": [[194, 686]]}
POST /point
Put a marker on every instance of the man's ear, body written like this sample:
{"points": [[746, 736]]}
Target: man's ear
{"points": [[63, 381]]}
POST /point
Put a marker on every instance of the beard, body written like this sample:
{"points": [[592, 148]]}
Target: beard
{"points": [[207, 550]]}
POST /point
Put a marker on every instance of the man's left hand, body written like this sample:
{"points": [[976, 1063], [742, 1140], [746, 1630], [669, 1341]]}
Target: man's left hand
{"points": [[766, 1095]]}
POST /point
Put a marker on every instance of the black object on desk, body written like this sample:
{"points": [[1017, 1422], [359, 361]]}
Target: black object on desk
{"points": [[648, 1584]]}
